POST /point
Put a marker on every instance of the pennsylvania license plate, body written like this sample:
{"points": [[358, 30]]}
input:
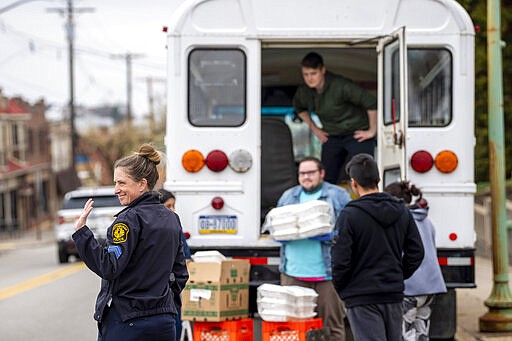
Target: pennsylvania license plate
{"points": [[218, 224]]}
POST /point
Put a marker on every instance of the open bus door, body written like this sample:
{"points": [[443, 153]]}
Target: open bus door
{"points": [[392, 107]]}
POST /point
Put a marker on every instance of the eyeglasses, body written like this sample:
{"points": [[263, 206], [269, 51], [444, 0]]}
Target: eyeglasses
{"points": [[308, 173]]}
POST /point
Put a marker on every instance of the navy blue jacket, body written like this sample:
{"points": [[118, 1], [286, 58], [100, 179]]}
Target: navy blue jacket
{"points": [[376, 247], [142, 266]]}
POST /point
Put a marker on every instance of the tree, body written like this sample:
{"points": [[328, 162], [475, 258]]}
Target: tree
{"points": [[113, 144], [477, 9]]}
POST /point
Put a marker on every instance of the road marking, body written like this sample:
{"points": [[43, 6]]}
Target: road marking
{"points": [[40, 280], [7, 246]]}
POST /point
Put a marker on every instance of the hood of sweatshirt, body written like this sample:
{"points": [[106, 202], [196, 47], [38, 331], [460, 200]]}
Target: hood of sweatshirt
{"points": [[419, 213], [383, 207]]}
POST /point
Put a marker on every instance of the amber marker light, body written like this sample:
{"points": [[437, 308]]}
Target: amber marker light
{"points": [[446, 161], [192, 161]]}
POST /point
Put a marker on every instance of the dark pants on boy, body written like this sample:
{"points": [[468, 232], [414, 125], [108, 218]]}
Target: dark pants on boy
{"points": [[376, 322], [338, 150]]}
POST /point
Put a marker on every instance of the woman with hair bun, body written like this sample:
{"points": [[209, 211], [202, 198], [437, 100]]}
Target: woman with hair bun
{"points": [[427, 281], [142, 266]]}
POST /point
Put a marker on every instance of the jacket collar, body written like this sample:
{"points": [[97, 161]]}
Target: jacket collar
{"points": [[298, 189], [146, 198]]}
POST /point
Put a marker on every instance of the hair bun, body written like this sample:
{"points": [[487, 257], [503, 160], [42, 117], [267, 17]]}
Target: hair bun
{"points": [[149, 152]]}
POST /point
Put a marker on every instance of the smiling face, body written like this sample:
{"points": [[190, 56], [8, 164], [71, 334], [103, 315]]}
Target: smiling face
{"points": [[126, 188], [314, 78], [310, 176]]}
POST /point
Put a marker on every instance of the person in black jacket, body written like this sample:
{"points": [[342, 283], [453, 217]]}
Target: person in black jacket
{"points": [[377, 246], [142, 265]]}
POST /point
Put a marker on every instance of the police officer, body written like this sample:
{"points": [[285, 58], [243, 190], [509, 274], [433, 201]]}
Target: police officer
{"points": [[143, 253]]}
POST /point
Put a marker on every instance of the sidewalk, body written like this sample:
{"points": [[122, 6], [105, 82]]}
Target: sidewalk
{"points": [[26, 239], [470, 302]]}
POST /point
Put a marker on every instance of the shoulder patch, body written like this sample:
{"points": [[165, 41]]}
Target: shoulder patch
{"points": [[120, 233]]}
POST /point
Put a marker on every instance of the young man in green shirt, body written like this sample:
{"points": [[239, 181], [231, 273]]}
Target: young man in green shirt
{"points": [[347, 112]]}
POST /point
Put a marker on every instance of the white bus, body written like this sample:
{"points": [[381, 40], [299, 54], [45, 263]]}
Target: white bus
{"points": [[233, 140]]}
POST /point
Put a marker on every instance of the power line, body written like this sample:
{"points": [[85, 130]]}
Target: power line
{"points": [[128, 57], [69, 11]]}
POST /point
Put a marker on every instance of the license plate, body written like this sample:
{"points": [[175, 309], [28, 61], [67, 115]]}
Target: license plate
{"points": [[218, 224]]}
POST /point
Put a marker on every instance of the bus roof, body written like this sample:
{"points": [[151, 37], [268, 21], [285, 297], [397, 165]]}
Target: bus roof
{"points": [[329, 19]]}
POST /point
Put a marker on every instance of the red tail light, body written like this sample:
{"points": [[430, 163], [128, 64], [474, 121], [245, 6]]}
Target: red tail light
{"points": [[216, 160], [422, 161], [60, 220], [217, 203], [187, 235]]}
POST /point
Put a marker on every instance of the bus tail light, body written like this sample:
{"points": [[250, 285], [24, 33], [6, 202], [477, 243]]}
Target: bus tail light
{"points": [[453, 237], [192, 161], [240, 161], [422, 161], [216, 160], [217, 203], [187, 235], [446, 161]]}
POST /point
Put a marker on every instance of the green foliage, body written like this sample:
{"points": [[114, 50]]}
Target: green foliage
{"points": [[477, 9]]}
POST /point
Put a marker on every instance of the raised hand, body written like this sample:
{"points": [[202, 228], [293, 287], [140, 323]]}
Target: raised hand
{"points": [[82, 219]]}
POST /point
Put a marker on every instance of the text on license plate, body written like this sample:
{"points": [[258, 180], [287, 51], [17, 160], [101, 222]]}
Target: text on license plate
{"points": [[218, 224]]}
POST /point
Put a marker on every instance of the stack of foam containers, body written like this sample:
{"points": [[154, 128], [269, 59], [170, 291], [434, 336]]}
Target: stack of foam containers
{"points": [[278, 303], [299, 221]]}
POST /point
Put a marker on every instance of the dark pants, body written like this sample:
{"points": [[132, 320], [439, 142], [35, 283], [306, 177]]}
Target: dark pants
{"points": [[329, 305], [159, 327], [177, 320], [376, 322], [341, 148]]}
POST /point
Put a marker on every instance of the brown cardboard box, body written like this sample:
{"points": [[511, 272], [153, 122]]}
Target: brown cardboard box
{"points": [[216, 291]]}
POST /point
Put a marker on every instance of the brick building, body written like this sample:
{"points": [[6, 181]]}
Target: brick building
{"points": [[28, 195]]}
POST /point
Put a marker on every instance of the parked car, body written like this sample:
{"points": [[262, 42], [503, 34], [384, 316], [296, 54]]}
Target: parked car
{"points": [[106, 204]]}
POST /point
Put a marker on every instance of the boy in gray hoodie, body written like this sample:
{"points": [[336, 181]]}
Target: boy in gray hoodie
{"points": [[427, 281]]}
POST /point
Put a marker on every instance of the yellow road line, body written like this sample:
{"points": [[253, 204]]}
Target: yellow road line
{"points": [[7, 246], [38, 281]]}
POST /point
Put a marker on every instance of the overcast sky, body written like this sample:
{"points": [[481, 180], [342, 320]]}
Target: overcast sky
{"points": [[34, 60]]}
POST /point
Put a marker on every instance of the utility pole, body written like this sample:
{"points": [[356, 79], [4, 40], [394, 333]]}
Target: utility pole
{"points": [[499, 316], [151, 99], [69, 12], [128, 57]]}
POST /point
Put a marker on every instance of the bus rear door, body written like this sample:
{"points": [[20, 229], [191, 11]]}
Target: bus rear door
{"points": [[392, 107]]}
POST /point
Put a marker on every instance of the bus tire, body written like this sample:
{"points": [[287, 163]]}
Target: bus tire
{"points": [[443, 320]]}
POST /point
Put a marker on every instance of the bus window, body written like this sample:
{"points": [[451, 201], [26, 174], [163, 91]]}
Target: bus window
{"points": [[430, 87], [217, 88]]}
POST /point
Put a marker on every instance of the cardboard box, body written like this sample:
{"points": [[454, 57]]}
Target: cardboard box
{"points": [[216, 291]]}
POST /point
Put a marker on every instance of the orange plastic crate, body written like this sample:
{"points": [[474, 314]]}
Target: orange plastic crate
{"points": [[288, 331], [234, 330]]}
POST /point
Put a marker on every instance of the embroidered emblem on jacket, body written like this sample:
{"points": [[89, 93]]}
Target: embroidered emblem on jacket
{"points": [[120, 233]]}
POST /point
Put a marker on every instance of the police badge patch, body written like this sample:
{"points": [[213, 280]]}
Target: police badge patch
{"points": [[120, 233]]}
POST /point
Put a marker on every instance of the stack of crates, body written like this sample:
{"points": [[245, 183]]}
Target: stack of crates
{"points": [[290, 330], [234, 330]]}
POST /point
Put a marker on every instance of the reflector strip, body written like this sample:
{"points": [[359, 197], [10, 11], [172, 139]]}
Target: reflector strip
{"points": [[261, 260], [455, 261]]}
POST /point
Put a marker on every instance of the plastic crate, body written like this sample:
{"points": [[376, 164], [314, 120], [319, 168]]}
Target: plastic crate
{"points": [[288, 331], [234, 330]]}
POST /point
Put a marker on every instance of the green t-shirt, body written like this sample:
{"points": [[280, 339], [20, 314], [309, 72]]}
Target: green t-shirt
{"points": [[341, 107]]}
